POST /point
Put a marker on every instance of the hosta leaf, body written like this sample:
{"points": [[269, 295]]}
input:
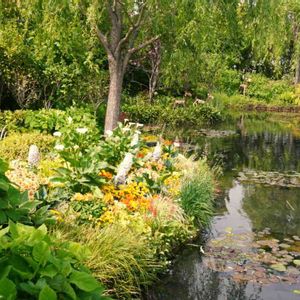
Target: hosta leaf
{"points": [[47, 294], [84, 281], [7, 289]]}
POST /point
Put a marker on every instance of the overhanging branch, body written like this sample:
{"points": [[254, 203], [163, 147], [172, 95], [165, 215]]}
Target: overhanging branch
{"points": [[143, 45]]}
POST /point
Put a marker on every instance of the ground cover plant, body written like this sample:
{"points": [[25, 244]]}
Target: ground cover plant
{"points": [[124, 202]]}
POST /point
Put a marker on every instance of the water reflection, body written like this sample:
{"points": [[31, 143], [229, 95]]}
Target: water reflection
{"points": [[264, 146]]}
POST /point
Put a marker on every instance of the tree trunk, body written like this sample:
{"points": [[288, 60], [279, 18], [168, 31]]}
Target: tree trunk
{"points": [[297, 71], [114, 95]]}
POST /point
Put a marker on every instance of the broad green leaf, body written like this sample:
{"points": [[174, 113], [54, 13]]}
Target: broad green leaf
{"points": [[41, 252], [4, 271], [47, 294], [7, 289], [84, 281], [49, 271]]}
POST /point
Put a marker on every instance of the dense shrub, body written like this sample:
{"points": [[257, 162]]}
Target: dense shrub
{"points": [[16, 145], [267, 90], [147, 113], [229, 81], [46, 120], [36, 266]]}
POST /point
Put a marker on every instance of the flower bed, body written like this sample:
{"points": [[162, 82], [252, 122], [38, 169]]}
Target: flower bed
{"points": [[130, 205]]}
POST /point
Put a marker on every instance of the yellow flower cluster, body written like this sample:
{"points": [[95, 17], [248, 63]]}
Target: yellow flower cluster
{"points": [[134, 195], [81, 197], [173, 184]]}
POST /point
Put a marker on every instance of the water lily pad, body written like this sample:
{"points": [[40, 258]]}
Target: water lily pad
{"points": [[296, 292], [284, 246], [296, 262], [278, 267]]}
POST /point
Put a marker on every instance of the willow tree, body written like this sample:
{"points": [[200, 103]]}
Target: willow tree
{"points": [[273, 30], [117, 24]]}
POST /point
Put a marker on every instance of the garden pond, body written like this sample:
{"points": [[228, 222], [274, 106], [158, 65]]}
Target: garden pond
{"points": [[252, 249]]}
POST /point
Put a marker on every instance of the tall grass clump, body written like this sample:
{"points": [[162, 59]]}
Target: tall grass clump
{"points": [[120, 257], [197, 191]]}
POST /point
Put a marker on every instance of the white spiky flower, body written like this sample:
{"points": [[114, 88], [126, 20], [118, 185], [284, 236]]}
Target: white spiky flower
{"points": [[135, 139], [82, 130], [59, 147], [123, 169], [157, 152], [33, 156]]}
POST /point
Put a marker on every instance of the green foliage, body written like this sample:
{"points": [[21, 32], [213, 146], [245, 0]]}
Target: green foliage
{"points": [[121, 257], [196, 194], [16, 145], [34, 265], [229, 82], [265, 89], [48, 53], [15, 205], [46, 120], [164, 112], [86, 155]]}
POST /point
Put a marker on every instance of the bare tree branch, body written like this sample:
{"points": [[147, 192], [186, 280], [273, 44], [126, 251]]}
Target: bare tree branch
{"points": [[134, 26], [103, 40], [143, 45]]}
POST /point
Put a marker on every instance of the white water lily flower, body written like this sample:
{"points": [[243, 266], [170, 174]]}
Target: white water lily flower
{"points": [[57, 133], [123, 169], [59, 147], [33, 156], [82, 130]]}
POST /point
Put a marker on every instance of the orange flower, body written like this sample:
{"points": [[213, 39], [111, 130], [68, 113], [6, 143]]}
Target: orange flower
{"points": [[141, 155], [168, 143], [106, 174]]}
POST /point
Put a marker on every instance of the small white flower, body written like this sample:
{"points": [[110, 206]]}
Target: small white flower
{"points": [[70, 120], [126, 129], [126, 121], [108, 133], [82, 130], [76, 147], [59, 147], [57, 133], [139, 125]]}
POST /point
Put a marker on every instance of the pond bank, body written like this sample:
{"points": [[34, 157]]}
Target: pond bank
{"points": [[252, 249]]}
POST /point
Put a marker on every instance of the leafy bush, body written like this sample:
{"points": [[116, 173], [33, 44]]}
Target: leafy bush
{"points": [[16, 145], [46, 120], [15, 205], [265, 89], [158, 113], [196, 193], [36, 266], [229, 81]]}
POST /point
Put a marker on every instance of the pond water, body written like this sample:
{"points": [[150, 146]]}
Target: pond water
{"points": [[252, 249]]}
